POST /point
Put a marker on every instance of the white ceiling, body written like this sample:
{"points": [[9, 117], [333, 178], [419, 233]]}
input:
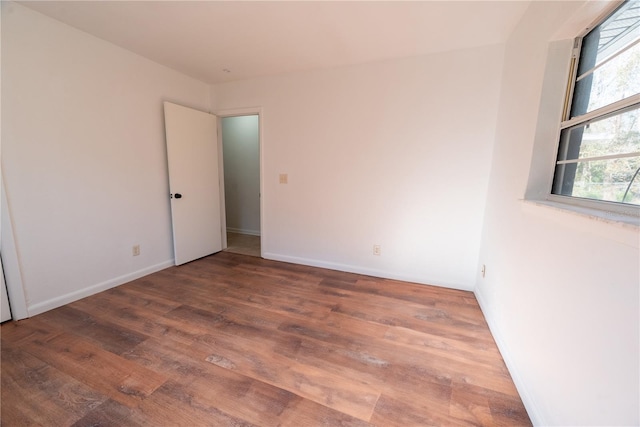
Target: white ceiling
{"points": [[203, 38]]}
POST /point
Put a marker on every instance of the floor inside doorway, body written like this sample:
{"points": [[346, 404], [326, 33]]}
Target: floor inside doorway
{"points": [[244, 244]]}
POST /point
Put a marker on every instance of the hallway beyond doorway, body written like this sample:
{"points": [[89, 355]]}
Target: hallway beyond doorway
{"points": [[244, 244]]}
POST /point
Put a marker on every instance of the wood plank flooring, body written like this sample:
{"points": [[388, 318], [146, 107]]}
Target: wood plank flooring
{"points": [[233, 340]]}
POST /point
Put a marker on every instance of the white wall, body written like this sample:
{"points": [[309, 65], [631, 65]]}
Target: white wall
{"points": [[561, 293], [241, 147], [394, 153], [83, 157]]}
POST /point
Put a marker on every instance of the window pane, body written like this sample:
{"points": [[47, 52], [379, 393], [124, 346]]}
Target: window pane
{"points": [[616, 80], [620, 77], [619, 134], [607, 180], [601, 179], [616, 32]]}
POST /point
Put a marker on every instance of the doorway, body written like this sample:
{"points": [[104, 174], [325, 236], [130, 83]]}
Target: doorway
{"points": [[241, 165]]}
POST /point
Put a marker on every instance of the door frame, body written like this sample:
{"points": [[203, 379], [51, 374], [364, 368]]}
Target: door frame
{"points": [[238, 112]]}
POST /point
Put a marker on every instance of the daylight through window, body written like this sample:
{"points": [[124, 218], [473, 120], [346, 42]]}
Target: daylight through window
{"points": [[599, 149]]}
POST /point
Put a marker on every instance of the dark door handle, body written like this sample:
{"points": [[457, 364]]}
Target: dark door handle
{"points": [[177, 196]]}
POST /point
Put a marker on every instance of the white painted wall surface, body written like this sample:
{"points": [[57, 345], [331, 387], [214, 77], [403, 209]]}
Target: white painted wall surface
{"points": [[83, 157], [394, 153], [241, 148], [561, 293]]}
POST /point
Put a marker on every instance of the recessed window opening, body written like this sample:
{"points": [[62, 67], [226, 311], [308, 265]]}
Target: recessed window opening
{"points": [[599, 150]]}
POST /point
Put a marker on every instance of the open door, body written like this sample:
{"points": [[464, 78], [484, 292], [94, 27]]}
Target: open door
{"points": [[192, 149], [5, 311]]}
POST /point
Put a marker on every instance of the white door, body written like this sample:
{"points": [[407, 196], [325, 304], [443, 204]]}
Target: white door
{"points": [[5, 312], [192, 148]]}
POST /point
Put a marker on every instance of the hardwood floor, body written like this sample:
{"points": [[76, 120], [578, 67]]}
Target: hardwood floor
{"points": [[233, 340]]}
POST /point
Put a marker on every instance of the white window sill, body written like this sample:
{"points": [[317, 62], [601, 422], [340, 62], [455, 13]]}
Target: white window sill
{"points": [[630, 222]]}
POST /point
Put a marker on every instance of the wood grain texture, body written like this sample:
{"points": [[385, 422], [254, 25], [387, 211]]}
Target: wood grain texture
{"points": [[233, 340]]}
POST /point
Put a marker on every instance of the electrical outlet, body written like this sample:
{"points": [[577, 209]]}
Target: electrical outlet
{"points": [[136, 250], [377, 250]]}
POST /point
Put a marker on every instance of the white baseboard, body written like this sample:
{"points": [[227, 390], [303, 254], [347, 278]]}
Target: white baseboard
{"points": [[243, 231], [59, 301], [503, 347], [364, 270]]}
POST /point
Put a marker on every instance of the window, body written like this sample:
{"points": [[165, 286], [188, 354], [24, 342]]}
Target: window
{"points": [[599, 150]]}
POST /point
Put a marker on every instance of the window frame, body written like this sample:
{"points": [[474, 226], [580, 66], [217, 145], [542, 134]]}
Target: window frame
{"points": [[566, 121]]}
